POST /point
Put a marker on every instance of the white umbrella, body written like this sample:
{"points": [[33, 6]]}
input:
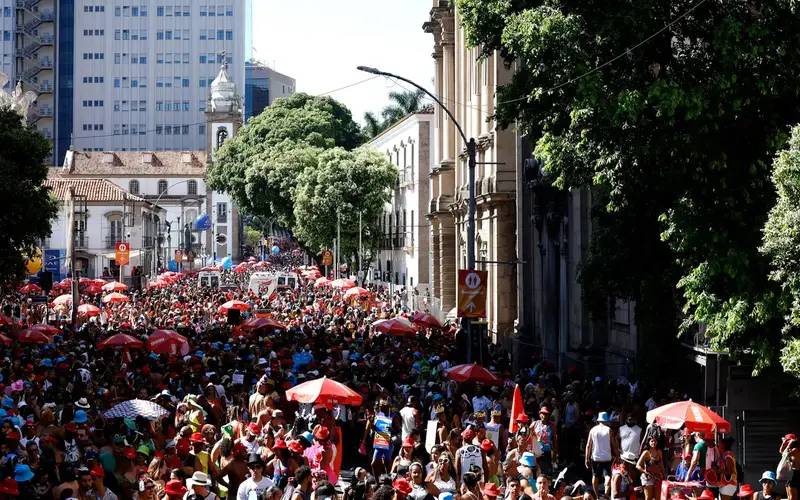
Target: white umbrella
{"points": [[137, 408]]}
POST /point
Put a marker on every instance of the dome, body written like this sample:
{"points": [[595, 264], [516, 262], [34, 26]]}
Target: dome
{"points": [[223, 92]]}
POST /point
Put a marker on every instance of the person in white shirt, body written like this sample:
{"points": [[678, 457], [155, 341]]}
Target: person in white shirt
{"points": [[630, 436], [256, 485], [599, 451], [409, 416]]}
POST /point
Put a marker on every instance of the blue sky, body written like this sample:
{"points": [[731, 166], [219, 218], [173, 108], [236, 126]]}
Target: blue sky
{"points": [[320, 43]]}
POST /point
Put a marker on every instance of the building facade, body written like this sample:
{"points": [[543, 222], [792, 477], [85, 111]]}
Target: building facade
{"points": [[403, 257], [262, 86], [467, 86]]}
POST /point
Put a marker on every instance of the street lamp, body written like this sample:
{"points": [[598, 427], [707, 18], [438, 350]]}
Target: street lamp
{"points": [[471, 151]]}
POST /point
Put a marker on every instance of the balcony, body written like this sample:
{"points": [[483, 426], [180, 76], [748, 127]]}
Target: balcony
{"points": [[81, 241], [111, 241]]}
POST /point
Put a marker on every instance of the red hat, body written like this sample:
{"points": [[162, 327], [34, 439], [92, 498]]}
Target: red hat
{"points": [[409, 442], [254, 428], [491, 490], [197, 438], [295, 446], [790, 437], [745, 490], [544, 410], [239, 450], [183, 447], [130, 453], [468, 434], [175, 488], [13, 436], [487, 445], [523, 418], [280, 444], [98, 471], [322, 433], [9, 487], [401, 485], [706, 495]]}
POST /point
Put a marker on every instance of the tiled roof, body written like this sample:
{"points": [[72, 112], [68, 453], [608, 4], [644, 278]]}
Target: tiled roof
{"points": [[92, 189], [135, 163]]}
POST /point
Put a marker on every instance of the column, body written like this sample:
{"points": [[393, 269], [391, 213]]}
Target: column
{"points": [[448, 259]]}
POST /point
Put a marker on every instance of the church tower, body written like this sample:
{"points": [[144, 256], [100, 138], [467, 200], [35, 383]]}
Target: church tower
{"points": [[223, 119]]}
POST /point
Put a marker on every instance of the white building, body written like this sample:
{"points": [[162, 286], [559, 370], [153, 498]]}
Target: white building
{"points": [[105, 214], [404, 255]]}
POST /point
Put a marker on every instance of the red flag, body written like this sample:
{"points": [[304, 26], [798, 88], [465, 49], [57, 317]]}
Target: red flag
{"points": [[517, 409]]}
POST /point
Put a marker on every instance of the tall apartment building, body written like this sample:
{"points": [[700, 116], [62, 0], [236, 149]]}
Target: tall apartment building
{"points": [[122, 75], [262, 86]]}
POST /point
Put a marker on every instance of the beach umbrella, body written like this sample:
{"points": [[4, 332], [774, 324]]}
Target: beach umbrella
{"points": [[356, 292], [395, 326], [425, 320], [137, 408], [168, 342], [31, 336], [88, 310], [63, 300], [211, 268], [473, 373], [233, 304], [693, 416], [323, 391], [263, 324], [343, 283], [241, 268], [46, 329], [93, 289], [120, 341], [320, 282], [115, 298], [115, 286], [30, 289]]}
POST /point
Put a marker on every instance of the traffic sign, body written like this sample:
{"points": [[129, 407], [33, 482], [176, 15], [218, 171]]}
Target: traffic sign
{"points": [[327, 258], [471, 293], [122, 253]]}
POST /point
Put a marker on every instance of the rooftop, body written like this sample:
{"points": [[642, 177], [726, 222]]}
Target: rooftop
{"points": [[135, 163], [92, 189]]}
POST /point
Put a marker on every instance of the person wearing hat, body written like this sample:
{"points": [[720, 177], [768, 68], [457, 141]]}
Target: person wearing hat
{"points": [[403, 459], [255, 484], [768, 482], [526, 471], [792, 449], [490, 491], [599, 451], [490, 454], [249, 440], [202, 460], [469, 455], [410, 417], [82, 404], [651, 464], [622, 484], [98, 488], [545, 432], [199, 486], [746, 492], [380, 425], [728, 478], [402, 487], [174, 490], [495, 429]]}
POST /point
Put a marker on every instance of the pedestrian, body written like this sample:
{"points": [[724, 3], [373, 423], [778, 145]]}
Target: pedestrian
{"points": [[768, 482], [652, 467], [599, 451], [256, 484]]}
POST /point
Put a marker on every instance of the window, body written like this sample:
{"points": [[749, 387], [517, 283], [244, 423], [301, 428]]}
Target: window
{"points": [[202, 58], [229, 35], [159, 105], [159, 130], [220, 34], [162, 187], [201, 130], [159, 11], [184, 129], [222, 212], [133, 187], [229, 10], [191, 187]]}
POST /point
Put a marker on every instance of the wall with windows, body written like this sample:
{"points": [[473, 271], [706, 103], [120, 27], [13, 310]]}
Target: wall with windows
{"points": [[151, 63], [262, 86]]}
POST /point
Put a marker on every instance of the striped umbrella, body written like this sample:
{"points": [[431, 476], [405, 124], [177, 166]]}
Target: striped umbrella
{"points": [[473, 373], [114, 298], [696, 417], [115, 286], [120, 341], [137, 408]]}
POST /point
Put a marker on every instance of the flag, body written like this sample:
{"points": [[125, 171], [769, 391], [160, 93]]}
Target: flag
{"points": [[517, 409]]}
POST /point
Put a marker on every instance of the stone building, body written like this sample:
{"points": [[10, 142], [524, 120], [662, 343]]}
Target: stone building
{"points": [[467, 86]]}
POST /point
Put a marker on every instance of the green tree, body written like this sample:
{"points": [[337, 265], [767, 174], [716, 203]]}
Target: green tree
{"points": [[28, 207], [372, 125], [782, 246], [401, 105], [676, 134], [345, 183]]}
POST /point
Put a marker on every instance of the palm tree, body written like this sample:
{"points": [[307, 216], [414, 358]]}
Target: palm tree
{"points": [[404, 103], [373, 126]]}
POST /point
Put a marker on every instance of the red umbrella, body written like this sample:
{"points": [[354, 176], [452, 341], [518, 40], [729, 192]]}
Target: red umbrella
{"points": [[233, 304], [115, 286], [356, 292], [168, 342], [241, 268], [323, 281], [115, 298], [159, 283], [93, 289], [5, 340], [46, 329], [88, 310], [31, 336], [396, 326], [120, 341], [473, 373], [343, 283], [425, 320], [211, 269], [65, 300], [324, 391], [263, 323], [30, 289], [696, 417]]}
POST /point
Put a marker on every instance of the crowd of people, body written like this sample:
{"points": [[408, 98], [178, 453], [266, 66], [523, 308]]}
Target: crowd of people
{"points": [[223, 428]]}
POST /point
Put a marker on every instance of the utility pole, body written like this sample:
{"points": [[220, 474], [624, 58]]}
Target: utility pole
{"points": [[360, 281], [72, 259], [338, 242], [124, 238]]}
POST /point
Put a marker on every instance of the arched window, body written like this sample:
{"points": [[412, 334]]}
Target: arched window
{"points": [[162, 187], [133, 187], [191, 187]]}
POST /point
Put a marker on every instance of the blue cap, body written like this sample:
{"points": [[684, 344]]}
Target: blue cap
{"points": [[768, 475], [200, 354], [47, 362], [15, 420], [602, 417], [80, 417], [446, 496], [528, 459], [22, 473], [7, 402], [60, 359], [226, 347], [307, 436], [437, 396]]}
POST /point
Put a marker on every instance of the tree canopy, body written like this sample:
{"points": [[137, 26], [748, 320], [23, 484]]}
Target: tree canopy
{"points": [[297, 162], [401, 104], [28, 207], [675, 135]]}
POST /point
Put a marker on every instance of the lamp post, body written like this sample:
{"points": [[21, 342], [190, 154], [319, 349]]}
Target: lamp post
{"points": [[471, 152]]}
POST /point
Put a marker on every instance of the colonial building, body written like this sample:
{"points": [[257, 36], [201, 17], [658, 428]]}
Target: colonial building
{"points": [[175, 180], [467, 87], [404, 255]]}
